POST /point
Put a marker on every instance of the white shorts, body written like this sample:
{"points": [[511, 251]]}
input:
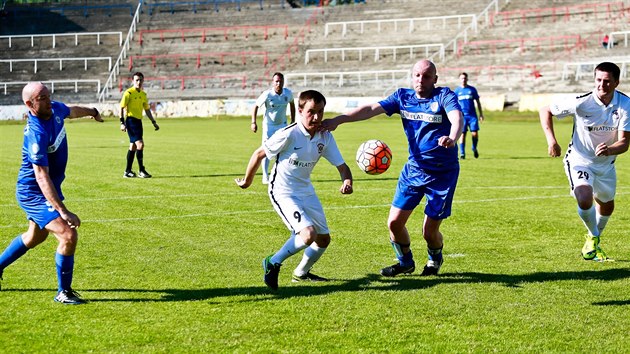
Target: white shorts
{"points": [[269, 129], [602, 178], [298, 213]]}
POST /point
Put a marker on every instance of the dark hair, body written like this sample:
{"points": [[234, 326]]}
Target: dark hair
{"points": [[278, 74], [463, 73], [137, 73], [310, 95], [609, 67]]}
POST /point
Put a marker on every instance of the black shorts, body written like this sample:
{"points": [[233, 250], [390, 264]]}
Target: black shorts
{"points": [[134, 129]]}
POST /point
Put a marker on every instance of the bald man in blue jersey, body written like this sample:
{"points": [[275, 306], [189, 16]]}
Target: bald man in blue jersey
{"points": [[38, 190], [432, 121]]}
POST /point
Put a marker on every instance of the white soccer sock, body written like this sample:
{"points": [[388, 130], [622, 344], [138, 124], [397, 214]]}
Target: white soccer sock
{"points": [[590, 220], [293, 245], [602, 220], [311, 255]]}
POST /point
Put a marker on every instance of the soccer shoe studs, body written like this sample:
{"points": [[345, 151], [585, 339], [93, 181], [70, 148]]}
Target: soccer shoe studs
{"points": [[307, 277]]}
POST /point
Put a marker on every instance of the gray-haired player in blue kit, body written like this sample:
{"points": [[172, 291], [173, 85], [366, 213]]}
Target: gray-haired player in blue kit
{"points": [[38, 192], [432, 121]]}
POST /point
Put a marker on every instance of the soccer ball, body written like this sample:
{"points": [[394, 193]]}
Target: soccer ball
{"points": [[374, 157]]}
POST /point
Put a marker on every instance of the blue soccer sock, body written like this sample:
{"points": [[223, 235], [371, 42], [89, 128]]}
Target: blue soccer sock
{"points": [[15, 250], [462, 149], [65, 268], [405, 259], [435, 255]]}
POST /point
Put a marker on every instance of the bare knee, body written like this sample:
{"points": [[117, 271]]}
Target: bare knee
{"points": [[68, 239], [139, 145], [308, 235], [584, 197]]}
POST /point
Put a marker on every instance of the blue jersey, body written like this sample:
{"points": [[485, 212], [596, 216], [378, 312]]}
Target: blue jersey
{"points": [[45, 144], [425, 121], [466, 97]]}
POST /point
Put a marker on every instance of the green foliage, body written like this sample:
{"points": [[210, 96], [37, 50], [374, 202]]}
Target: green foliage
{"points": [[172, 263]]}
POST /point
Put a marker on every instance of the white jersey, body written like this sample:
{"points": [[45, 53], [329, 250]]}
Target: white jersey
{"points": [[594, 123], [297, 153], [275, 106]]}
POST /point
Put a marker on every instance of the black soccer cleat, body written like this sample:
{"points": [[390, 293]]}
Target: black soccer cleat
{"points": [[396, 269], [129, 174], [271, 273], [432, 268], [69, 297], [144, 174]]}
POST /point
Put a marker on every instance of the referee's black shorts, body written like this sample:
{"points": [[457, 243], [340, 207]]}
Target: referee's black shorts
{"points": [[134, 129]]}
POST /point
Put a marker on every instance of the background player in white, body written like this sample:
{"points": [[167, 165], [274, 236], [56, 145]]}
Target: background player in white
{"points": [[601, 131], [467, 96], [276, 99], [298, 148]]}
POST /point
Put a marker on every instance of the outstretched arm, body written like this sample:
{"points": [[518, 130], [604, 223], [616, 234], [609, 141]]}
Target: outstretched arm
{"points": [[346, 178], [252, 167], [546, 121], [361, 113], [80, 111], [254, 126]]}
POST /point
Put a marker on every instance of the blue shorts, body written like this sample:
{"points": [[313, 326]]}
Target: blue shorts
{"points": [[134, 129], [438, 186], [471, 123], [37, 209]]}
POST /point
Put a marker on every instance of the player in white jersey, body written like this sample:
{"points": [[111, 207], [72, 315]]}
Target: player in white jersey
{"points": [[276, 99], [297, 149], [601, 131]]}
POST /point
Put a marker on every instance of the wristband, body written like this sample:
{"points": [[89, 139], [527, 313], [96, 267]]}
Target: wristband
{"points": [[122, 120]]}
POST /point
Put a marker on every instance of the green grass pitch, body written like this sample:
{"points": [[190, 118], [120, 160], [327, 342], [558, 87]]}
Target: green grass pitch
{"points": [[172, 263]]}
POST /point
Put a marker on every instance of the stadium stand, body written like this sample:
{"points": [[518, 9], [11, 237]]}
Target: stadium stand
{"points": [[218, 49]]}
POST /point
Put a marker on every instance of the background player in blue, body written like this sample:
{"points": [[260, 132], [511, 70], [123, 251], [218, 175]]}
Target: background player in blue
{"points": [[432, 121], [44, 159], [467, 96]]}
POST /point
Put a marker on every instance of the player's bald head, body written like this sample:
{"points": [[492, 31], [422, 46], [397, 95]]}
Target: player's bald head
{"points": [[424, 65], [31, 90]]}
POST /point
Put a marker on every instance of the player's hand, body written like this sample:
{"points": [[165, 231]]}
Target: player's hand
{"points": [[602, 150], [328, 124], [554, 150], [98, 117], [123, 128], [253, 127], [156, 126], [242, 182], [71, 218], [446, 142], [346, 188]]}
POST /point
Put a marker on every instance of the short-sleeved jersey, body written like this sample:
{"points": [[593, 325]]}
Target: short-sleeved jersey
{"points": [[297, 153], [466, 97], [275, 106], [594, 123], [135, 102], [424, 121], [45, 144]]}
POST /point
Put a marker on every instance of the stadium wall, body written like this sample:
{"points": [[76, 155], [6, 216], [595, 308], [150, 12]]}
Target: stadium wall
{"points": [[243, 107]]}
